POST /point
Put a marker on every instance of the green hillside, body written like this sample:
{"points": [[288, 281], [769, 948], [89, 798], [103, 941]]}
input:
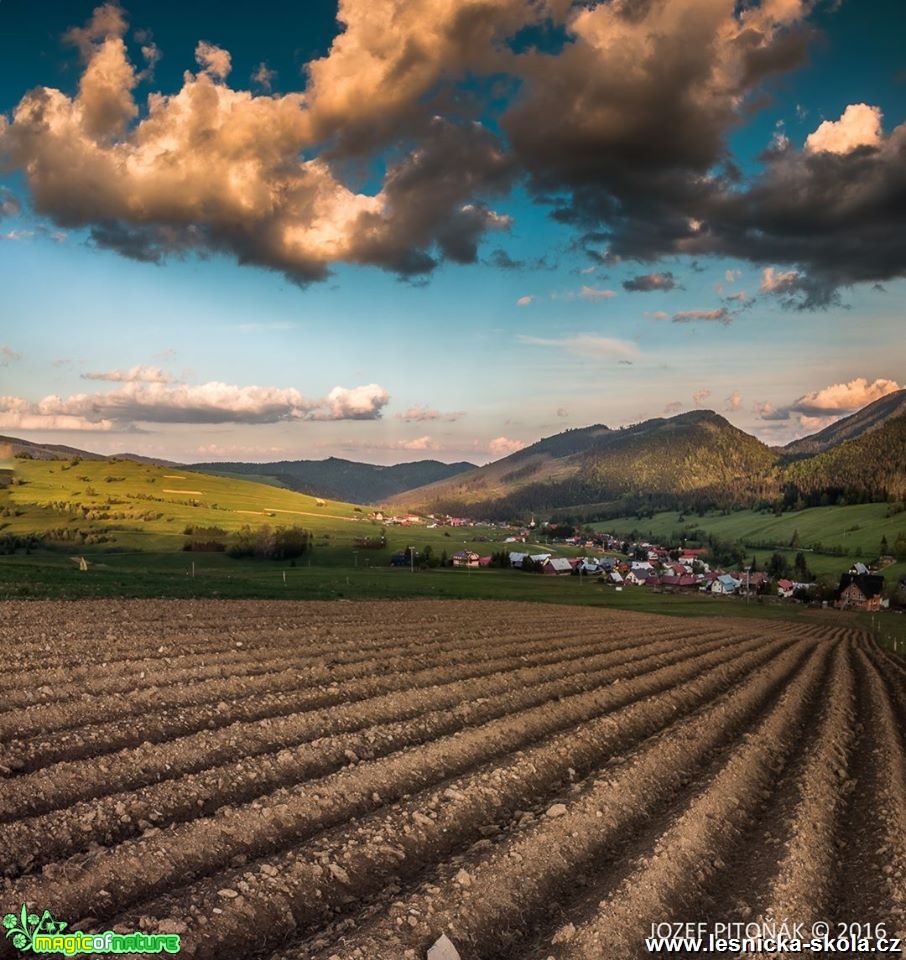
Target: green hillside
{"points": [[113, 507], [133, 506], [846, 533]]}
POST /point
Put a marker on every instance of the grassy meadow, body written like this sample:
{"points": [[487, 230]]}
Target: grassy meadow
{"points": [[855, 529]]}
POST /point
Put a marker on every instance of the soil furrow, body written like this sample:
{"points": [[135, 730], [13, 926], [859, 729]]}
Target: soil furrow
{"points": [[429, 827], [93, 739], [150, 698], [871, 885], [32, 842], [68, 781], [519, 880], [667, 885], [208, 844]]}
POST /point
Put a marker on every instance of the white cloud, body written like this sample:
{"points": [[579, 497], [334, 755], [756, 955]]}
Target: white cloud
{"points": [[420, 414], [845, 397], [524, 301], [264, 77], [733, 402], [859, 126], [672, 408], [212, 402], [213, 60], [766, 410], [775, 281], [700, 396], [594, 294], [586, 345], [504, 446], [138, 374], [356, 403]]}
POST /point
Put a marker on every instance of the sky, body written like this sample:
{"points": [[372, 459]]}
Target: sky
{"points": [[391, 230]]}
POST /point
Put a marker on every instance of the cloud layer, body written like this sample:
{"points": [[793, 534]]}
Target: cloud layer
{"points": [[161, 402], [623, 130]]}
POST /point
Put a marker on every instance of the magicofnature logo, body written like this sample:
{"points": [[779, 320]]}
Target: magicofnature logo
{"points": [[42, 933]]}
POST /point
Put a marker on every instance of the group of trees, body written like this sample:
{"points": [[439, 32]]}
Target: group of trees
{"points": [[270, 543], [778, 567]]}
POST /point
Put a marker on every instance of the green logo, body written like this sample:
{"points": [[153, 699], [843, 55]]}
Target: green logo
{"points": [[44, 934]]}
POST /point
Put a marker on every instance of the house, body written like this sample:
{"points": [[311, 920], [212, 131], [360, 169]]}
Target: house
{"points": [[690, 554], [540, 558], [485, 561], [589, 567], [615, 577], [785, 588], [638, 577], [669, 582], [516, 559], [557, 566], [642, 565], [466, 558], [860, 591], [724, 584]]}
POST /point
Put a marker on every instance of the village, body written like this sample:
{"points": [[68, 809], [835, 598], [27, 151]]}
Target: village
{"points": [[626, 564]]}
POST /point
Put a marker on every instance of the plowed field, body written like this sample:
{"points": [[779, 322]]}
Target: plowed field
{"points": [[352, 780]]}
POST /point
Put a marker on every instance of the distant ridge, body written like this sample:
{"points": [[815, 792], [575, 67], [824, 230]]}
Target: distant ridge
{"points": [[863, 421], [57, 451], [340, 479]]}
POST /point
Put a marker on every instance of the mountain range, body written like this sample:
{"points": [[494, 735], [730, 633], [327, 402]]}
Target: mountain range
{"points": [[695, 460], [339, 479], [690, 461]]}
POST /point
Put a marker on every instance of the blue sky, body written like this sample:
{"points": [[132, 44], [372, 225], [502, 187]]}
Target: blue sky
{"points": [[455, 360]]}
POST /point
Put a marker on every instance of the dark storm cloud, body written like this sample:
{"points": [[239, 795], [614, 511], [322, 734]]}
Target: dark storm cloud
{"points": [[650, 281], [616, 114]]}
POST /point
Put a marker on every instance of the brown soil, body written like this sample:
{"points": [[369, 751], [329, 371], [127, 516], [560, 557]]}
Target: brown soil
{"points": [[319, 781]]}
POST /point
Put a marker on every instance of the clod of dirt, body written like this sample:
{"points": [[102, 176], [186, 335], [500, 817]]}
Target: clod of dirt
{"points": [[557, 810], [464, 878], [443, 949], [339, 873], [564, 934]]}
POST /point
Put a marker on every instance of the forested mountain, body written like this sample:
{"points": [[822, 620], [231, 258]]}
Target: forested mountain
{"points": [[696, 460], [698, 456], [339, 479], [869, 468]]}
